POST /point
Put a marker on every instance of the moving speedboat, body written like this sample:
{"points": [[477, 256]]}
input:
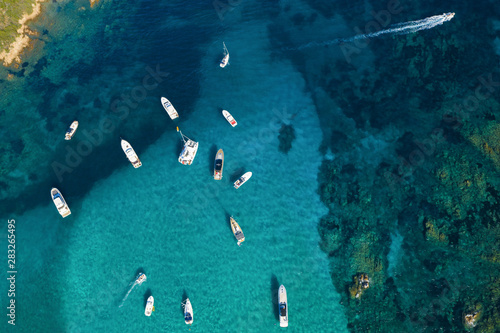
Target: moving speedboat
{"points": [[149, 306], [224, 60], [188, 153], [131, 155], [169, 108], [71, 130], [229, 118], [188, 312], [283, 306], [243, 179], [218, 165], [60, 203], [238, 234], [141, 277]]}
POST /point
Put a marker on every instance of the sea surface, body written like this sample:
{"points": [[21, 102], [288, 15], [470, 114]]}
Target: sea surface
{"points": [[107, 67]]}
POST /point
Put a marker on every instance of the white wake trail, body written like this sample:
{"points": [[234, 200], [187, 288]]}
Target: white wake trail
{"points": [[128, 293], [397, 29]]}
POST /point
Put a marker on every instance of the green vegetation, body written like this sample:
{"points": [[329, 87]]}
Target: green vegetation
{"points": [[11, 11]]}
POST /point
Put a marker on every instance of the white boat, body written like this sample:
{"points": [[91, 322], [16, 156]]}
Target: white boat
{"points": [[242, 180], [141, 277], [71, 130], [188, 153], [188, 312], [149, 306], [169, 108], [219, 165], [131, 155], [225, 59], [283, 306], [238, 233], [60, 203], [229, 118]]}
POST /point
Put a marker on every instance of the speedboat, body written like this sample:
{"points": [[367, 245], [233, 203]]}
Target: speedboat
{"points": [[243, 179], [149, 306], [60, 203], [283, 306], [131, 155], [188, 312], [141, 277], [169, 108], [218, 165], [71, 130], [188, 153], [240, 237], [225, 59], [229, 118]]}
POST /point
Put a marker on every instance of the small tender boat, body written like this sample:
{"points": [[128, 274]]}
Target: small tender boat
{"points": [[188, 312], [224, 60], [283, 306], [131, 155], [60, 203], [240, 237], [141, 277], [242, 180], [71, 130], [229, 118], [149, 306], [218, 165], [169, 108], [188, 153]]}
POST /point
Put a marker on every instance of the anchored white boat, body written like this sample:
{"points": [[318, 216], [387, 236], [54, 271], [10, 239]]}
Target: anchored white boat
{"points": [[141, 277], [169, 108], [283, 306], [131, 155], [71, 130], [238, 233], [229, 118], [149, 306], [188, 312], [243, 179], [188, 153], [60, 203], [219, 164], [225, 59]]}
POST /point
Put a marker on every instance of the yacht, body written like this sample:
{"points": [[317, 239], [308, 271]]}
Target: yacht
{"points": [[188, 312], [169, 108], [225, 59], [71, 130], [141, 277], [283, 306], [60, 203], [131, 155], [240, 237], [218, 165], [149, 306], [243, 179], [188, 153], [229, 118]]}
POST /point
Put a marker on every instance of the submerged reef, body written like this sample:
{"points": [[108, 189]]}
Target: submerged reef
{"points": [[286, 137], [411, 166]]}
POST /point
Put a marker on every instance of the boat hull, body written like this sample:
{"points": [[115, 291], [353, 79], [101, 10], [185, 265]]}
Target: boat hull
{"points": [[172, 113], [131, 155], [188, 312], [219, 164], [61, 205], [237, 232], [283, 306], [188, 153], [149, 306], [242, 180], [71, 130], [229, 118]]}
